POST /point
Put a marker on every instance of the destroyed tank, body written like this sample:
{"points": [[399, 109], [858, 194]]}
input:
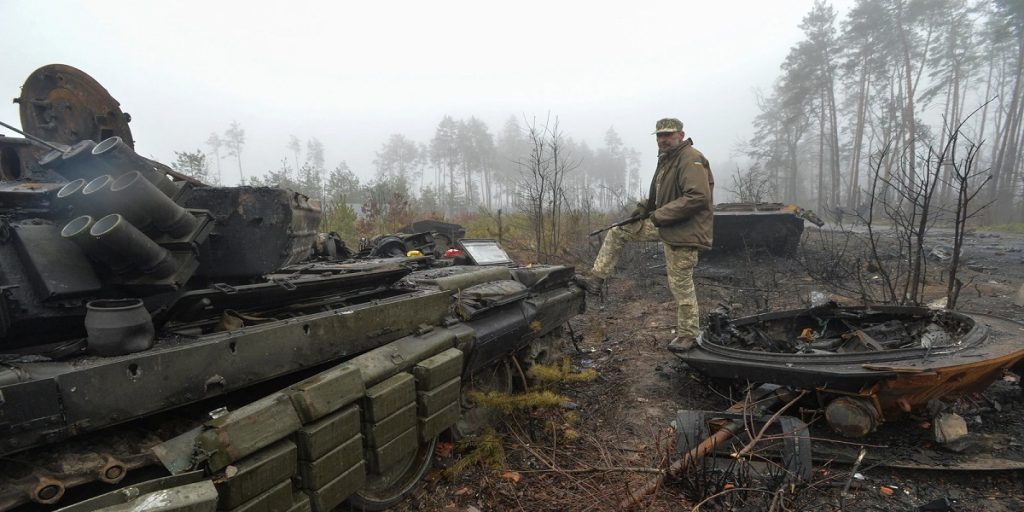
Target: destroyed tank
{"points": [[177, 346]]}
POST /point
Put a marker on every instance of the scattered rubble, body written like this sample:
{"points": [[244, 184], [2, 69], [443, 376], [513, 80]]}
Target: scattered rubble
{"points": [[949, 427]]}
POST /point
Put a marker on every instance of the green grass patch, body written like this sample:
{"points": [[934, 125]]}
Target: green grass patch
{"points": [[561, 373]]}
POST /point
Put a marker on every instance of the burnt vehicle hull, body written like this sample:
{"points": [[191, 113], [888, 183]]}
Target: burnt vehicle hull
{"points": [[771, 226], [894, 372]]}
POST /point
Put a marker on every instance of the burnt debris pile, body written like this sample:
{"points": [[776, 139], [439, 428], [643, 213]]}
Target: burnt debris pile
{"points": [[828, 329]]}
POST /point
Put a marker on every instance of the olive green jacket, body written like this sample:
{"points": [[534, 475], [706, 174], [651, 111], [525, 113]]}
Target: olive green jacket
{"points": [[681, 200]]}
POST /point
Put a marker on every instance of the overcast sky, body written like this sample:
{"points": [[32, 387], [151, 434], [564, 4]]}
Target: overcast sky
{"points": [[351, 73]]}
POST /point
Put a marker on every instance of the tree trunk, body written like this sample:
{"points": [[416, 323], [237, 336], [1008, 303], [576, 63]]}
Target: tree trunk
{"points": [[834, 141], [220, 177], [486, 176], [853, 196], [908, 101], [821, 152], [1004, 171], [451, 182], [794, 163]]}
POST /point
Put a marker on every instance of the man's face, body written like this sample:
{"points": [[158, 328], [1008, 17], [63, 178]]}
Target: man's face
{"points": [[669, 140]]}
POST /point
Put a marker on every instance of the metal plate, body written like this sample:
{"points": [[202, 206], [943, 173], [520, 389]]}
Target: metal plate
{"points": [[63, 104]]}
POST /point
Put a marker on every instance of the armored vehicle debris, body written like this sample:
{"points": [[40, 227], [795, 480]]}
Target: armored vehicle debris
{"points": [[175, 341], [430, 237], [865, 365], [445, 233], [772, 226]]}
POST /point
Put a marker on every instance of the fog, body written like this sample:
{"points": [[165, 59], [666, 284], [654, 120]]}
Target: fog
{"points": [[351, 74]]}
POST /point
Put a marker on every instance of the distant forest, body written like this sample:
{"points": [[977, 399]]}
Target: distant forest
{"points": [[873, 101], [530, 166]]}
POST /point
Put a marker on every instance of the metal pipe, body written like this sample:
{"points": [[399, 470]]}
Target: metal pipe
{"points": [[81, 150], [120, 236], [78, 232], [95, 198], [69, 196], [135, 192], [115, 153], [52, 159], [71, 188], [98, 199], [77, 161]]}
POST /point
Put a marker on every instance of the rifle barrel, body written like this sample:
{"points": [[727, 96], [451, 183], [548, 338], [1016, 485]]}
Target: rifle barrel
{"points": [[615, 225]]}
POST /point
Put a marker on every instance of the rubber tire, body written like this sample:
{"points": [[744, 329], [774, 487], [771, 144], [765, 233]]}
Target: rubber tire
{"points": [[407, 479]]}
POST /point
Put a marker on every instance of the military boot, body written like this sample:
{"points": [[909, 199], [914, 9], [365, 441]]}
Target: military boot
{"points": [[681, 344]]}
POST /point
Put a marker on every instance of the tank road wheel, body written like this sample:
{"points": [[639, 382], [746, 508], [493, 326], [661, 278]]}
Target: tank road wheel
{"points": [[546, 350], [385, 490]]}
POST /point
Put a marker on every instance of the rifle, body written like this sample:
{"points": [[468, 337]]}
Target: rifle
{"points": [[619, 223]]}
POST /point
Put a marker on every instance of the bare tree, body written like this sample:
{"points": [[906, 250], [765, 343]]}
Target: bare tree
{"points": [[234, 140], [296, 147], [215, 143], [966, 183], [535, 180], [910, 214], [894, 251], [562, 163], [755, 185], [542, 179]]}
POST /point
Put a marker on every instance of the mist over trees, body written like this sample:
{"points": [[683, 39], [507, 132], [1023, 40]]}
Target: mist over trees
{"points": [[883, 89], [864, 102], [528, 167]]}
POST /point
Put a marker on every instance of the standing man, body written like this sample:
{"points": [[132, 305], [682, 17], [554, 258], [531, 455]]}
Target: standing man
{"points": [[679, 211]]}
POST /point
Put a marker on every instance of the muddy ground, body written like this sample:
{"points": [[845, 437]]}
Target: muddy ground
{"points": [[622, 417]]}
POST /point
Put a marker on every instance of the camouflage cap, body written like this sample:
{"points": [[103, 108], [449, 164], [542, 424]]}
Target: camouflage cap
{"points": [[668, 125]]}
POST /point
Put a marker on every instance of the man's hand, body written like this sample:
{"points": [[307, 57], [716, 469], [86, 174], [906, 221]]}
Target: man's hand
{"points": [[640, 212], [654, 218]]}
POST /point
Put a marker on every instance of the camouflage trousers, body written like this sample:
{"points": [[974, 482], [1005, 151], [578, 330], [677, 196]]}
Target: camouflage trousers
{"points": [[679, 263]]}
